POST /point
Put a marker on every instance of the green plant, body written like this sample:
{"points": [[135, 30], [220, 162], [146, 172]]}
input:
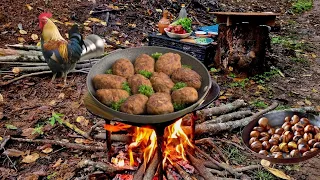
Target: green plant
{"points": [[56, 117], [179, 85], [116, 105], [263, 175], [146, 90], [156, 55], [178, 107], [109, 71], [38, 129], [126, 87], [259, 104], [300, 6], [187, 66], [145, 73]]}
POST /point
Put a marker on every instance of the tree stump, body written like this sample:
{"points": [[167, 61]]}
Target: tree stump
{"points": [[243, 47]]}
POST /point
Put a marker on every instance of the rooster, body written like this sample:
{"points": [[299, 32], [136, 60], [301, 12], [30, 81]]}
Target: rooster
{"points": [[62, 55]]}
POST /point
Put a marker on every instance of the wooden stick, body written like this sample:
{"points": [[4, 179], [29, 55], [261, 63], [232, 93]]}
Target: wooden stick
{"points": [[200, 167], [108, 168], [183, 174], [202, 114], [62, 143], [151, 170], [216, 148], [221, 165], [23, 76], [229, 117], [24, 47]]}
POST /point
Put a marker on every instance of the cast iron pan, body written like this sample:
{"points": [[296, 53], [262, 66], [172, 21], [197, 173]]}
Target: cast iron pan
{"points": [[276, 119], [131, 54]]}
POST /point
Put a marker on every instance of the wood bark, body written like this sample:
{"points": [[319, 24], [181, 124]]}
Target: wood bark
{"points": [[243, 47]]}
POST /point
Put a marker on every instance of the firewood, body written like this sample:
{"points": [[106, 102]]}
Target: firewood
{"points": [[151, 170], [183, 174], [108, 168], [229, 117], [222, 165], [62, 143], [216, 148], [219, 127], [202, 114], [200, 167]]}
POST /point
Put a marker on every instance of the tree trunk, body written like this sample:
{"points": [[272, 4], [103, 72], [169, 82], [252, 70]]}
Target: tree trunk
{"points": [[242, 47]]}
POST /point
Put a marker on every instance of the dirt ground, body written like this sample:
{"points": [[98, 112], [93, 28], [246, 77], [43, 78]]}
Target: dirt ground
{"points": [[31, 101]]}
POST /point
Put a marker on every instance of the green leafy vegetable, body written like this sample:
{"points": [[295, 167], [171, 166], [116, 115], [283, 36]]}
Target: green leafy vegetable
{"points": [[109, 71], [146, 90], [187, 66], [178, 107], [156, 55], [186, 23], [145, 73], [126, 87], [179, 85], [116, 105]]}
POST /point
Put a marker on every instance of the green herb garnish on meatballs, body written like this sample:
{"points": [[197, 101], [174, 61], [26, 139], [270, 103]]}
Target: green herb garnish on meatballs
{"points": [[146, 90], [179, 85], [145, 73]]}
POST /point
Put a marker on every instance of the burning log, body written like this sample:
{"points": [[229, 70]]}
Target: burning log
{"points": [[200, 167], [229, 117], [202, 114], [216, 148], [151, 170]]}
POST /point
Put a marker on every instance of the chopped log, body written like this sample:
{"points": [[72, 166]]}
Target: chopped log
{"points": [[216, 148], [24, 47], [62, 143], [151, 170], [222, 165], [230, 116], [219, 127], [23, 76], [200, 167], [108, 168], [183, 174], [202, 114]]}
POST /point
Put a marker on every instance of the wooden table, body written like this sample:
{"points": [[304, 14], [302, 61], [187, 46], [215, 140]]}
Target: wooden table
{"points": [[264, 18]]}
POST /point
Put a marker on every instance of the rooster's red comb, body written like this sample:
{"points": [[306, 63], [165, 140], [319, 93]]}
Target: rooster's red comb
{"points": [[45, 14]]}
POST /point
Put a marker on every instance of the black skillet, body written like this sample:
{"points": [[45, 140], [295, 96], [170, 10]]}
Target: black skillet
{"points": [[131, 54], [276, 119]]}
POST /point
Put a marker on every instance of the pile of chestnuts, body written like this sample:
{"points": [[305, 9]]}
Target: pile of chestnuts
{"points": [[295, 138]]}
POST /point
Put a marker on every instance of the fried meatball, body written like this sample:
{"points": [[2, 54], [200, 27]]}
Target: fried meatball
{"points": [[159, 103], [186, 95], [108, 96], [135, 104], [168, 63], [137, 80], [108, 81], [144, 62], [123, 67], [161, 82], [188, 76]]}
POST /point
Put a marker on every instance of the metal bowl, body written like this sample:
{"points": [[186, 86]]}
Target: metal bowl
{"points": [[276, 119]]}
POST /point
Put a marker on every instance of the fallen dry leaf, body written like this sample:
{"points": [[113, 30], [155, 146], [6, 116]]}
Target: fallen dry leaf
{"points": [[13, 153], [47, 150], [82, 120], [30, 158], [34, 37], [21, 31], [29, 7], [21, 39], [57, 163]]}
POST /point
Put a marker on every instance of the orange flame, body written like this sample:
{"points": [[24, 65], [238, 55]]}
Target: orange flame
{"points": [[116, 128]]}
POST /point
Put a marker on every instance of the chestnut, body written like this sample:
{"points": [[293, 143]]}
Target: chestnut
{"points": [[284, 147], [299, 127], [317, 137], [306, 153], [256, 146], [295, 153], [309, 128], [287, 119], [273, 141], [307, 136], [278, 155], [304, 122], [253, 139], [294, 120], [316, 129], [275, 148], [271, 131], [296, 138], [316, 145], [314, 149], [264, 139], [286, 137], [303, 148], [279, 131], [266, 145], [276, 136], [302, 141], [263, 122], [311, 142], [292, 145], [254, 134], [258, 128], [263, 152]]}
